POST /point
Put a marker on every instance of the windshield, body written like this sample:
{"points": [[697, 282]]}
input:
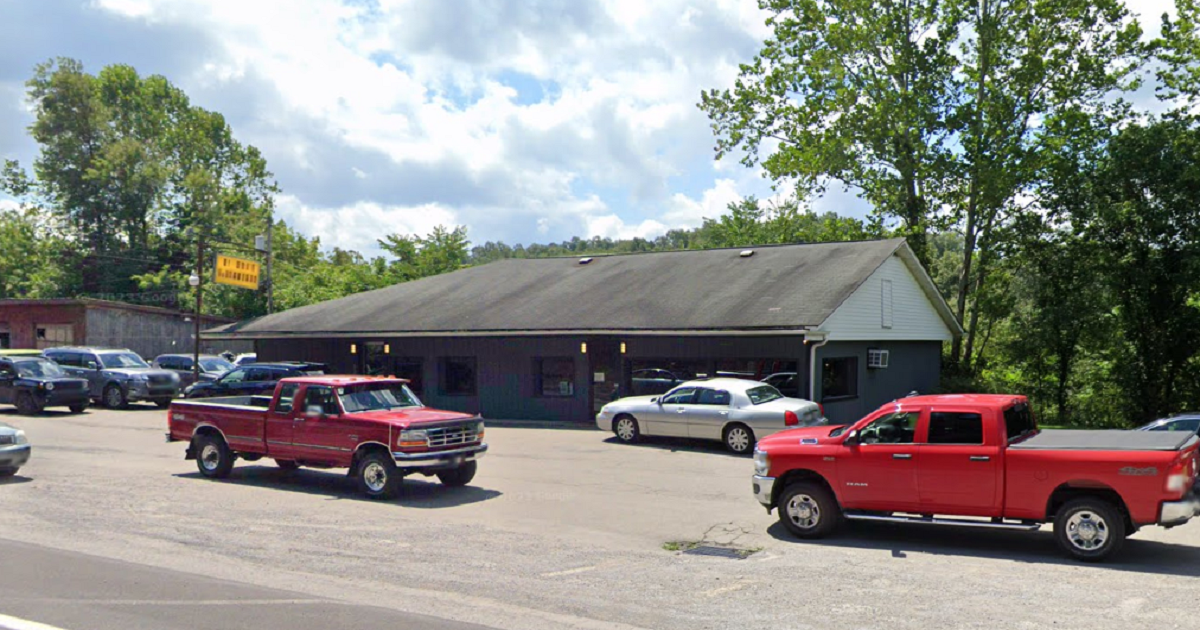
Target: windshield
{"points": [[376, 397], [122, 360], [762, 394], [215, 365], [37, 369]]}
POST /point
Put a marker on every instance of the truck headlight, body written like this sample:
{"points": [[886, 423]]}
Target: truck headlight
{"points": [[762, 463], [410, 438], [21, 439]]}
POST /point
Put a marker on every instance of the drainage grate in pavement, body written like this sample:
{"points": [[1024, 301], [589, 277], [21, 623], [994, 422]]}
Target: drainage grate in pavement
{"points": [[718, 552]]}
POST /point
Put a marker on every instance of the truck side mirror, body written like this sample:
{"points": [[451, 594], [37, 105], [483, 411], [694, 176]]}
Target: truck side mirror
{"points": [[852, 439], [91, 365], [315, 412]]}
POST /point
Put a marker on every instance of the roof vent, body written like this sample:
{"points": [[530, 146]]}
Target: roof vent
{"points": [[584, 261], [746, 253]]}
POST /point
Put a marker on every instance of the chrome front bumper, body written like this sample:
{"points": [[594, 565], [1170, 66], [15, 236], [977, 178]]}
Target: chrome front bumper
{"points": [[440, 459], [1179, 512], [763, 487]]}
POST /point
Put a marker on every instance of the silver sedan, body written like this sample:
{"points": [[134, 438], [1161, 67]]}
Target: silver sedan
{"points": [[14, 450], [732, 410]]}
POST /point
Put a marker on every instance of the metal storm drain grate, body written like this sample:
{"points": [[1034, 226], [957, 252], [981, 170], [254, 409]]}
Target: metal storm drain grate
{"points": [[719, 552]]}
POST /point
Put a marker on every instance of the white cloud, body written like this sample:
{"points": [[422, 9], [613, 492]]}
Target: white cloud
{"points": [[360, 225]]}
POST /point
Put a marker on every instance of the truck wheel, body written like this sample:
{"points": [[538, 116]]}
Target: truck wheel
{"points": [[287, 464], [627, 430], [808, 510], [1089, 529], [213, 457], [26, 405], [79, 408], [460, 476], [114, 397], [739, 439], [378, 477]]}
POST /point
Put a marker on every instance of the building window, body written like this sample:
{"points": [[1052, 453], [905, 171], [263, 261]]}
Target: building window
{"points": [[54, 335], [555, 377], [458, 376], [5, 337], [839, 378]]}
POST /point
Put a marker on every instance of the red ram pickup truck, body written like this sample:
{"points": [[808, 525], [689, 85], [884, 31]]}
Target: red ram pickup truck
{"points": [[376, 427], [979, 461]]}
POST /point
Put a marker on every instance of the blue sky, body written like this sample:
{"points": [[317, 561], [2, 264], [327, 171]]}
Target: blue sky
{"points": [[524, 120]]}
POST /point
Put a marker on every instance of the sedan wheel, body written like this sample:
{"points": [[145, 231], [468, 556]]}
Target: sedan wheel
{"points": [[739, 439], [114, 398], [627, 429]]}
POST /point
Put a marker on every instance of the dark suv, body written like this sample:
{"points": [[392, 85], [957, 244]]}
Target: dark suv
{"points": [[34, 383], [256, 378], [211, 366], [117, 377]]}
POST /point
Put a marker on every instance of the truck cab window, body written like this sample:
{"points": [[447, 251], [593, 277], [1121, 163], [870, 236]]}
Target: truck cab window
{"points": [[893, 428], [955, 428], [287, 395], [322, 397]]}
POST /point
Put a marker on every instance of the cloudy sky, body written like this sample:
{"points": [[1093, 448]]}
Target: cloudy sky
{"points": [[524, 120]]}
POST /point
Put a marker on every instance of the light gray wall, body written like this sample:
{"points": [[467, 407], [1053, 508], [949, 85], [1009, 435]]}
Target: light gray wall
{"points": [[149, 334], [912, 365]]}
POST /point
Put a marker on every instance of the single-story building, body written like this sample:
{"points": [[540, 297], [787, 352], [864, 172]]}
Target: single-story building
{"points": [[147, 330], [851, 325]]}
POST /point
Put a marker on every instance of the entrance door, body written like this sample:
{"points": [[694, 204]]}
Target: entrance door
{"points": [[604, 365]]}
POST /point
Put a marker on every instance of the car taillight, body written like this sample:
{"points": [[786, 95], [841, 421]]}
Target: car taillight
{"points": [[790, 418], [822, 408], [1179, 476]]}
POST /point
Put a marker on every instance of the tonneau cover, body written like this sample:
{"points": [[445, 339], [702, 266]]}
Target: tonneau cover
{"points": [[1074, 440]]}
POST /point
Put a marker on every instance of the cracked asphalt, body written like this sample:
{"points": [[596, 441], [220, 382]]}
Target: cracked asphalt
{"points": [[562, 529]]}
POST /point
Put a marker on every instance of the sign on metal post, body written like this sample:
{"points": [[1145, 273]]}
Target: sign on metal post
{"points": [[237, 272]]}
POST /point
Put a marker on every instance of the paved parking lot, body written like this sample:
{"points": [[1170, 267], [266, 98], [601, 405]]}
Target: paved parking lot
{"points": [[562, 529]]}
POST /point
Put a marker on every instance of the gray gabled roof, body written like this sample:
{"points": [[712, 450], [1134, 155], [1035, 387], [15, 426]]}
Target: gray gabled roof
{"points": [[783, 287]]}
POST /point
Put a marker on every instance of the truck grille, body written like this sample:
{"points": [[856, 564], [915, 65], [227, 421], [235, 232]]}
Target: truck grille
{"points": [[8, 439], [451, 436]]}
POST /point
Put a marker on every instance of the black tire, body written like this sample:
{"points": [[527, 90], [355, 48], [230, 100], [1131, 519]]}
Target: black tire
{"points": [[1089, 529], [114, 397], [739, 439], [460, 476], [287, 464], [378, 477], [79, 408], [626, 428], [815, 513], [162, 403], [213, 457], [8, 472], [26, 405]]}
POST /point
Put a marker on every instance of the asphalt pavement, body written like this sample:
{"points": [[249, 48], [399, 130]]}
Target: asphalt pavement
{"points": [[40, 586]]}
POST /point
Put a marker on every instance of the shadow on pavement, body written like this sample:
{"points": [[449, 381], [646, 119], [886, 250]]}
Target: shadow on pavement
{"points": [[14, 480], [416, 492], [683, 445], [1140, 556]]}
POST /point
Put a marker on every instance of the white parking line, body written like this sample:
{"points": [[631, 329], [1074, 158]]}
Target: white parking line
{"points": [[15, 623], [174, 602]]}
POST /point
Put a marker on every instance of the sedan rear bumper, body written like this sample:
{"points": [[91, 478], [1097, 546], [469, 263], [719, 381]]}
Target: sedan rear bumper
{"points": [[1179, 512]]}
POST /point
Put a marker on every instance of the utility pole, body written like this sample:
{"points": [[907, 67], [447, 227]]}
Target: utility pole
{"points": [[270, 255], [197, 281]]}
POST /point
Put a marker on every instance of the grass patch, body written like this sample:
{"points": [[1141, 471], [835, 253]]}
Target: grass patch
{"points": [[680, 545]]}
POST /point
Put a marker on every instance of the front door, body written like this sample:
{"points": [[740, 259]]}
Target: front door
{"points": [[880, 472], [324, 438], [957, 473], [670, 415], [604, 365]]}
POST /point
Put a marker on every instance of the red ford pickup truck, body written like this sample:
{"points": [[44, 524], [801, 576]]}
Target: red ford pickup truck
{"points": [[978, 460], [376, 427]]}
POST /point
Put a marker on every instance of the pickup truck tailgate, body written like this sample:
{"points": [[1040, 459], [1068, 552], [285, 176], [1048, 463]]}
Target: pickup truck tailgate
{"points": [[1074, 440]]}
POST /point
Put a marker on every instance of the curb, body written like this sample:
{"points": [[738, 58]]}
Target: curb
{"points": [[565, 425]]}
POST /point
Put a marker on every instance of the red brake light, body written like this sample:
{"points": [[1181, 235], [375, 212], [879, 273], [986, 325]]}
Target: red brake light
{"points": [[822, 408], [790, 418], [1180, 475]]}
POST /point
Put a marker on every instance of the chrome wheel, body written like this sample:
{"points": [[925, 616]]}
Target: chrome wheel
{"points": [[803, 511], [374, 476], [626, 429], [210, 456], [739, 439], [113, 398], [1087, 530]]}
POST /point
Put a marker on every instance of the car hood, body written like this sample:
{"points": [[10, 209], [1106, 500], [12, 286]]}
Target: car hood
{"points": [[132, 371], [57, 380], [412, 417], [818, 434]]}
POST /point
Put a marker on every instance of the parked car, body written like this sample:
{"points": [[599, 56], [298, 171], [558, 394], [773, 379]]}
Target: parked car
{"points": [[788, 383], [245, 359], [252, 379], [653, 381], [1189, 422], [14, 450], [735, 411], [978, 460], [374, 426], [19, 352], [211, 366], [34, 383], [117, 377]]}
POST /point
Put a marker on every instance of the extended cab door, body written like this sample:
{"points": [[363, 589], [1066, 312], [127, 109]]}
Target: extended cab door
{"points": [[880, 471], [280, 421], [958, 463]]}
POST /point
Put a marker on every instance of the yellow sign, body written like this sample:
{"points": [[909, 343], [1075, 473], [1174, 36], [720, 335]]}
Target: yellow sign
{"points": [[237, 272]]}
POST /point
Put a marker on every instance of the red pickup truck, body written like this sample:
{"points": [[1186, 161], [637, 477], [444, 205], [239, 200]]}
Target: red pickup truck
{"points": [[979, 461], [373, 426]]}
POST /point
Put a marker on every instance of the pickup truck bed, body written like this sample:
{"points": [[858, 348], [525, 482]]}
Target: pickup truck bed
{"points": [[1068, 440]]}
